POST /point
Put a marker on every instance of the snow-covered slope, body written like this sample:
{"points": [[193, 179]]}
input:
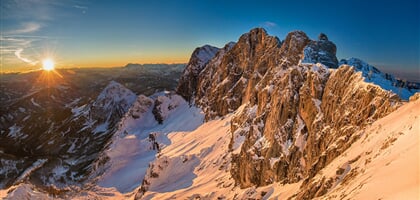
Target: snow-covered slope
{"points": [[197, 164], [140, 137], [387, 167], [384, 80]]}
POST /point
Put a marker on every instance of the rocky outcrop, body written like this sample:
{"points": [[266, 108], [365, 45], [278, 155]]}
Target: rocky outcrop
{"points": [[321, 51], [293, 116], [188, 83], [164, 104], [140, 107], [228, 79], [415, 97]]}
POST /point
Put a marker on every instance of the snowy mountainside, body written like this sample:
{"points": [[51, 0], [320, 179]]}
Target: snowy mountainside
{"points": [[404, 89], [113, 102], [139, 138], [196, 164], [186, 170], [53, 136]]}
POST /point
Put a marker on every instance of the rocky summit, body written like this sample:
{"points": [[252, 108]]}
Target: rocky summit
{"points": [[296, 109]]}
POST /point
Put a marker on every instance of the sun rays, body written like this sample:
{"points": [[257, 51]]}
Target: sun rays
{"points": [[48, 64], [49, 75]]}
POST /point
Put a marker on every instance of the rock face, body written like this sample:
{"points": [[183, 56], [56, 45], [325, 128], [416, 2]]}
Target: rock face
{"points": [[228, 80], [199, 58], [292, 117], [321, 51]]}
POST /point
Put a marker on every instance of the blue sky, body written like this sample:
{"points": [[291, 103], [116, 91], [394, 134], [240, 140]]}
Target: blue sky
{"points": [[107, 33]]}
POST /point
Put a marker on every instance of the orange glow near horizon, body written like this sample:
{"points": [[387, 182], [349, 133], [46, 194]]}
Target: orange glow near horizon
{"points": [[95, 63], [106, 63], [49, 76]]}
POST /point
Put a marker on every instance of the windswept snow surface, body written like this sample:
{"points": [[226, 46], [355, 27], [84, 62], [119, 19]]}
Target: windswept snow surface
{"points": [[204, 163], [131, 151], [207, 150], [384, 163], [387, 165]]}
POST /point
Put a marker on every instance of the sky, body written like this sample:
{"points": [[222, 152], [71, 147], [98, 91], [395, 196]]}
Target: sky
{"points": [[107, 33]]}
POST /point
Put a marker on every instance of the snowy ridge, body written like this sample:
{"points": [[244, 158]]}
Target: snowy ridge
{"points": [[115, 94], [196, 164], [202, 56], [205, 54], [37, 164], [187, 84], [140, 139], [384, 80]]}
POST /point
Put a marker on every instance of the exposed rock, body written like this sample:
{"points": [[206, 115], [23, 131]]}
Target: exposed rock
{"points": [[164, 104], [140, 106], [322, 36], [292, 117], [188, 83], [229, 79], [415, 96], [321, 51]]}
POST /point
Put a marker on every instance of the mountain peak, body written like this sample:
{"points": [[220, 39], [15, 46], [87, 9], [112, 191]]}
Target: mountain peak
{"points": [[281, 105], [202, 55], [258, 37], [293, 45], [114, 99], [321, 51], [116, 91], [322, 37], [199, 58]]}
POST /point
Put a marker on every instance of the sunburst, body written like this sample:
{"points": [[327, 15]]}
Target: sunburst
{"points": [[48, 64]]}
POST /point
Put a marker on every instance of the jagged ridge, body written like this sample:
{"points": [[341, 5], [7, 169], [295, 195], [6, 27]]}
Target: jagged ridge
{"points": [[295, 116]]}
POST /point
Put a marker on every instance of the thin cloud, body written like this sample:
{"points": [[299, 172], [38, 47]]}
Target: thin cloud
{"points": [[82, 8], [25, 18], [18, 54], [269, 24], [25, 28], [12, 48]]}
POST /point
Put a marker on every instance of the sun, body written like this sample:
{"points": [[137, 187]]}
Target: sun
{"points": [[48, 64]]}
